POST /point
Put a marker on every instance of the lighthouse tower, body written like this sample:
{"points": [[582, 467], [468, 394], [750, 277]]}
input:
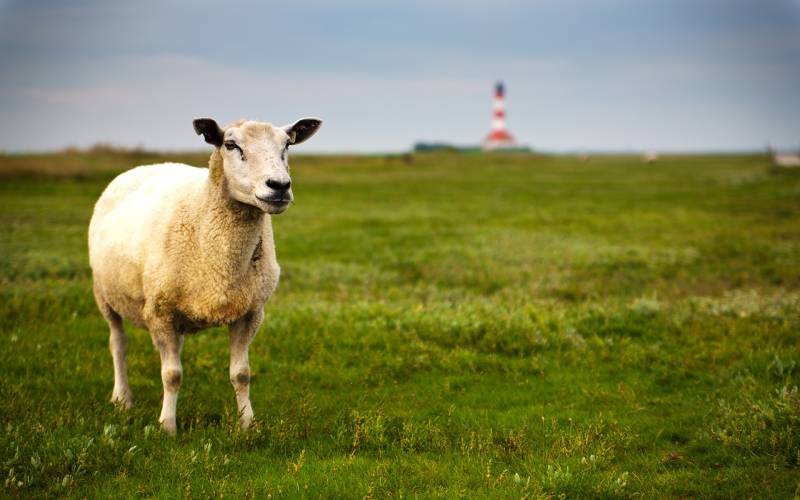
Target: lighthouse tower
{"points": [[498, 137]]}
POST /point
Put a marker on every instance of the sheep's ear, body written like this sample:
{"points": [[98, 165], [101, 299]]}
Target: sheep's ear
{"points": [[302, 129], [210, 130]]}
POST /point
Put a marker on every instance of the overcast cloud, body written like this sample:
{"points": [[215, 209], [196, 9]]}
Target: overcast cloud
{"points": [[586, 74]]}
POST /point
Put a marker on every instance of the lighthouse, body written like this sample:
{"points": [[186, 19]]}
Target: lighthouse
{"points": [[499, 137]]}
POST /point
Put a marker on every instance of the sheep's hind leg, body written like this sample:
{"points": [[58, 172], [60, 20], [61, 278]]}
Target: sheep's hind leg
{"points": [[117, 344], [169, 345], [242, 332]]}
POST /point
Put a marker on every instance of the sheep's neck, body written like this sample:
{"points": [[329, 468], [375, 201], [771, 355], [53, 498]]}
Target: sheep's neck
{"points": [[229, 231]]}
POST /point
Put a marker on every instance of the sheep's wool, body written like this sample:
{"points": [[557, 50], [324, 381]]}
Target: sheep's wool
{"points": [[167, 244]]}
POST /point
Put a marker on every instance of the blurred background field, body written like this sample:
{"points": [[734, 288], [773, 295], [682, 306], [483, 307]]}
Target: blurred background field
{"points": [[446, 325]]}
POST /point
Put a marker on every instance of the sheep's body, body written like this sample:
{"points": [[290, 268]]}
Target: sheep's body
{"points": [[164, 246], [175, 249]]}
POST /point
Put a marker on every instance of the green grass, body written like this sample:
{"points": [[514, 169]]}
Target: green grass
{"points": [[479, 326]]}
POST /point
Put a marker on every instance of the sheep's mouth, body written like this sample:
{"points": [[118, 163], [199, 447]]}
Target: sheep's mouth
{"points": [[275, 204]]}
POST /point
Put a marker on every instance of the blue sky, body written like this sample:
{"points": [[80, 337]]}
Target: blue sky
{"points": [[581, 75]]}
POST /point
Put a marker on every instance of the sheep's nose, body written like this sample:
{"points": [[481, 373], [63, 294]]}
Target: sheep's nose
{"points": [[278, 185]]}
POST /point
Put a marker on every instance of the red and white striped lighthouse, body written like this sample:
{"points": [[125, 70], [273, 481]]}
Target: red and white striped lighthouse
{"points": [[499, 137]]}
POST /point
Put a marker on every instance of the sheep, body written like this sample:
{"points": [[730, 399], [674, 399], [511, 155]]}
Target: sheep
{"points": [[649, 157], [175, 249], [786, 160]]}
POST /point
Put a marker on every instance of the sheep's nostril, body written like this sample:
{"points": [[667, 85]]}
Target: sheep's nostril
{"points": [[278, 185]]}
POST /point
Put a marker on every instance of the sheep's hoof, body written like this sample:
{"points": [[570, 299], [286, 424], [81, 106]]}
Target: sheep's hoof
{"points": [[122, 402], [169, 427], [244, 424], [245, 419]]}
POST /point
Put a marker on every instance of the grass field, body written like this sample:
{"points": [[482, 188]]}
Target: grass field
{"points": [[476, 326]]}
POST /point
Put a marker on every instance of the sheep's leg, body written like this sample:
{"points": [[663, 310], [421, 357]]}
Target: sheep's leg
{"points": [[242, 332], [169, 346], [117, 344]]}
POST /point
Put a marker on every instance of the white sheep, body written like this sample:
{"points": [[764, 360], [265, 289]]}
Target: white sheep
{"points": [[175, 249], [786, 160], [649, 157]]}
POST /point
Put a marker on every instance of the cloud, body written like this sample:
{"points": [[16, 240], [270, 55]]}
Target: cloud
{"points": [[151, 100], [609, 76]]}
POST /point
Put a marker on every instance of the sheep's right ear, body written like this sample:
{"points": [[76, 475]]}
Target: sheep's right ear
{"points": [[210, 130]]}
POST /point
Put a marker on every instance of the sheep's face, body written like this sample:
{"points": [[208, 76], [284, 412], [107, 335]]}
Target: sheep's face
{"points": [[255, 159]]}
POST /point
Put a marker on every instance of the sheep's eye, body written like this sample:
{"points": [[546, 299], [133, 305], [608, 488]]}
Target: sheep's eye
{"points": [[230, 146]]}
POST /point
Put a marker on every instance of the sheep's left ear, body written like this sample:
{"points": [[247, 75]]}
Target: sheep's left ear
{"points": [[302, 129]]}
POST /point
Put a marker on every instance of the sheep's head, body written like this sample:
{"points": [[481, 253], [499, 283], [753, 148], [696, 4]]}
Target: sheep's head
{"points": [[255, 158]]}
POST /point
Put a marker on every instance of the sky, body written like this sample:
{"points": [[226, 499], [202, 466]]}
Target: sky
{"points": [[581, 75]]}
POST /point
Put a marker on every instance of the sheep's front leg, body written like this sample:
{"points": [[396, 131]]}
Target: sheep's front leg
{"points": [[242, 332], [169, 346]]}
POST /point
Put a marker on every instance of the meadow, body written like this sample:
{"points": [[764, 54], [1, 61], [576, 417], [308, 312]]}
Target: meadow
{"points": [[447, 325]]}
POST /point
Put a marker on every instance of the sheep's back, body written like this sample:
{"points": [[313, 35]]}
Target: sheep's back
{"points": [[131, 217]]}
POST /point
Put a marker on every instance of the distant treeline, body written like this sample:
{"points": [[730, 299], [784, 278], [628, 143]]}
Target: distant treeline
{"points": [[429, 147]]}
